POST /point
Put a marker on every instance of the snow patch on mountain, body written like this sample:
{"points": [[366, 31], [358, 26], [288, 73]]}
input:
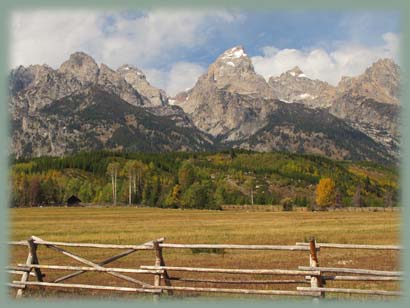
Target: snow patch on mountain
{"points": [[306, 95], [234, 53]]}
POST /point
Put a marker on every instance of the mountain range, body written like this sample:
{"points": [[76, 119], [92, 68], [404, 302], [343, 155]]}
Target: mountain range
{"points": [[84, 106]]}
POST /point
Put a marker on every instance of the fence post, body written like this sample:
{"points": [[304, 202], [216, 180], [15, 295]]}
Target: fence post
{"points": [[157, 277], [33, 249], [31, 259], [159, 261], [315, 281]]}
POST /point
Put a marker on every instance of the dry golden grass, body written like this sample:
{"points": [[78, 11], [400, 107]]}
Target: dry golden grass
{"points": [[134, 226]]}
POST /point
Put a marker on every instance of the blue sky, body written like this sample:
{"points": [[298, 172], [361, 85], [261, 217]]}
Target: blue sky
{"points": [[299, 30], [174, 47]]}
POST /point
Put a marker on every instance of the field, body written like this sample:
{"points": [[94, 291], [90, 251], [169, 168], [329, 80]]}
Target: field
{"points": [[134, 226]]}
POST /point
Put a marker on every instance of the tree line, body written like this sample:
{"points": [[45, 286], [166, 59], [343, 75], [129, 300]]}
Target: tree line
{"points": [[200, 180]]}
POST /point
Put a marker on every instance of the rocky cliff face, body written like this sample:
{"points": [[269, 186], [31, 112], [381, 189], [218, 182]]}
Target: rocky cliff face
{"points": [[294, 87], [94, 119], [136, 78], [296, 128], [380, 82], [236, 106], [84, 106], [36, 86], [370, 103], [47, 108], [81, 67], [229, 98], [377, 120]]}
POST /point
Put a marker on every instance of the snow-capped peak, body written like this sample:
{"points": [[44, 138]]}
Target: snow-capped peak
{"points": [[130, 69], [126, 67], [296, 72], [234, 53]]}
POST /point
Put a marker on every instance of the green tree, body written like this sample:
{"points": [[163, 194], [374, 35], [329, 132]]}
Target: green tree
{"points": [[147, 192], [186, 175], [156, 191], [250, 187], [104, 195], [173, 199], [198, 196], [86, 192], [140, 171], [50, 191], [220, 194]]}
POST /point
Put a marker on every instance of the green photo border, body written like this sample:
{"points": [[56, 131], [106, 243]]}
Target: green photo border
{"points": [[7, 6]]}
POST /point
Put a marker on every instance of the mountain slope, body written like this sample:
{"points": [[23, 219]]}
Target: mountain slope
{"points": [[236, 106], [370, 103], [294, 87], [295, 128], [380, 82], [95, 119]]}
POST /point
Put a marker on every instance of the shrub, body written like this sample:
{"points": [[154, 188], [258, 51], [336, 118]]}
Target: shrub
{"points": [[287, 204]]}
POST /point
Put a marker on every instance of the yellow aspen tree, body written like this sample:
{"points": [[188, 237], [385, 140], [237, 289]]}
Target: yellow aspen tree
{"points": [[325, 192]]}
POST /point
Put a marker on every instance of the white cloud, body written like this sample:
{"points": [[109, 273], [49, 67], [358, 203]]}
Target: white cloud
{"points": [[347, 59], [39, 37], [157, 40], [47, 36], [181, 76]]}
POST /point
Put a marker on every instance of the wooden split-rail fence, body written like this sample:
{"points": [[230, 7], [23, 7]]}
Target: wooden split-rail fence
{"points": [[312, 278]]}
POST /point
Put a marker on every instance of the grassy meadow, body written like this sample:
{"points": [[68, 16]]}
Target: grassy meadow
{"points": [[137, 225]]}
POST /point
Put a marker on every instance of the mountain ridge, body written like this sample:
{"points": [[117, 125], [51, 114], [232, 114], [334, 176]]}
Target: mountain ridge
{"points": [[230, 105]]}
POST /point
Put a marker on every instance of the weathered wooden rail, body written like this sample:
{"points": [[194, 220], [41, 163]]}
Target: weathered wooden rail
{"points": [[279, 208], [313, 275]]}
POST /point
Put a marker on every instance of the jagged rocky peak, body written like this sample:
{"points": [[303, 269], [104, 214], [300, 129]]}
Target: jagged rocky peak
{"points": [[110, 78], [387, 65], [230, 98], [234, 53], [293, 86], [233, 71], [234, 59], [24, 77], [113, 82], [81, 66], [106, 70], [128, 70], [137, 79], [295, 72], [381, 82]]}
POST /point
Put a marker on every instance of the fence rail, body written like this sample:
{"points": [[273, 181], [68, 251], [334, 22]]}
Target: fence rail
{"points": [[279, 208], [313, 275], [353, 246]]}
